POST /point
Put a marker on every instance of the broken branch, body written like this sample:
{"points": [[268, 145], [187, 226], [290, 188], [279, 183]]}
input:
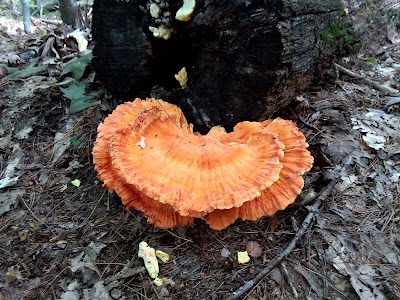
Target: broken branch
{"points": [[265, 271], [380, 87]]}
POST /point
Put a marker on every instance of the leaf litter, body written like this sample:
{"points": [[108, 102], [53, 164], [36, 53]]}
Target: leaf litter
{"points": [[59, 241]]}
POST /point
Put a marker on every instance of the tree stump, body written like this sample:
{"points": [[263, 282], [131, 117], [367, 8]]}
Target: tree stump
{"points": [[245, 59]]}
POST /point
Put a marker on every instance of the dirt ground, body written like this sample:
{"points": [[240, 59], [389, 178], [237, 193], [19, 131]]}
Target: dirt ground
{"points": [[62, 236]]}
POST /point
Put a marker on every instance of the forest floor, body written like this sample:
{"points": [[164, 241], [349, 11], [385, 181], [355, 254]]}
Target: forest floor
{"points": [[62, 236]]}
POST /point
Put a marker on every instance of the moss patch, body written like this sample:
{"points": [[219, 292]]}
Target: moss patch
{"points": [[340, 38]]}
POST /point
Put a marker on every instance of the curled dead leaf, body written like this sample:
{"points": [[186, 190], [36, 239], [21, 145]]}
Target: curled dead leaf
{"points": [[254, 249]]}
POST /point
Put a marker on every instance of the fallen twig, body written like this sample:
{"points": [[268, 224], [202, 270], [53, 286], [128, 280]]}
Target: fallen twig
{"points": [[265, 271], [51, 22], [383, 88], [287, 278]]}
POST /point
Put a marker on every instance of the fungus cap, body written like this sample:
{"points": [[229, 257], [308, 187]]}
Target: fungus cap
{"points": [[296, 161], [194, 173], [148, 154], [161, 215], [121, 117]]}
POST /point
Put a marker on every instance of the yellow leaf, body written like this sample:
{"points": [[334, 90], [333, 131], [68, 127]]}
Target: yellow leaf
{"points": [[243, 257], [76, 182]]}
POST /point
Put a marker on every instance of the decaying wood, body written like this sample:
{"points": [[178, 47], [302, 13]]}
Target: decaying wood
{"points": [[245, 59], [313, 210]]}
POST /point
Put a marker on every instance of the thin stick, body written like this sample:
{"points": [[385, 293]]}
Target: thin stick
{"points": [[178, 236], [265, 271], [380, 87], [288, 280]]}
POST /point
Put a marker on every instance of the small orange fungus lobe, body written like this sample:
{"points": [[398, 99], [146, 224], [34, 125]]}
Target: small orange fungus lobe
{"points": [[220, 219], [159, 214], [149, 155]]}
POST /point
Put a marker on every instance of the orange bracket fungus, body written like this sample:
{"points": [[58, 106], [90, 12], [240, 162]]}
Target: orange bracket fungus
{"points": [[149, 155]]}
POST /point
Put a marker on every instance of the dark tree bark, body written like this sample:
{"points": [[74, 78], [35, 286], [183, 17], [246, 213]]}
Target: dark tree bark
{"points": [[245, 58], [68, 9]]}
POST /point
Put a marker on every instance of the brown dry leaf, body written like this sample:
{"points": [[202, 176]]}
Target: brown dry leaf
{"points": [[9, 199], [60, 237], [274, 223], [254, 249], [23, 235], [87, 259], [12, 275]]}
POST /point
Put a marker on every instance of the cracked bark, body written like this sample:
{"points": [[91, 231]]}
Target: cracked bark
{"points": [[245, 59]]}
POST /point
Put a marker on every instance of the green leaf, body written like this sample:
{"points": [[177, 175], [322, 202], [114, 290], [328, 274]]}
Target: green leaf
{"points": [[74, 141], [30, 70], [76, 182], [372, 196], [79, 101], [370, 60], [78, 66]]}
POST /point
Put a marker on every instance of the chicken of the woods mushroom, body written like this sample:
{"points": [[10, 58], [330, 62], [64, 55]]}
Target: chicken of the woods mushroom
{"points": [[150, 156]]}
